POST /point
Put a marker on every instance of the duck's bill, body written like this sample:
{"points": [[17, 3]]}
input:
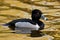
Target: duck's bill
{"points": [[43, 17]]}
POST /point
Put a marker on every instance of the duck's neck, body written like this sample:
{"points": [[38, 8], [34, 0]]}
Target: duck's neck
{"points": [[35, 20]]}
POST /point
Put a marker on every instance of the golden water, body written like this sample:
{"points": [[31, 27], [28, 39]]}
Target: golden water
{"points": [[15, 9]]}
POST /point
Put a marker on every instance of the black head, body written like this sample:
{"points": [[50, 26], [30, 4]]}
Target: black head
{"points": [[36, 14]]}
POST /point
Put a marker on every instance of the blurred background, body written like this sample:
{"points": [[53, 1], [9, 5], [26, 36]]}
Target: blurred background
{"points": [[16, 9]]}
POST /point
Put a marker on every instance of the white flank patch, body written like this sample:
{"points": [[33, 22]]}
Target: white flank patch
{"points": [[25, 27]]}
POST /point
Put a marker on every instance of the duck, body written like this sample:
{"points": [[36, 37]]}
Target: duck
{"points": [[25, 25]]}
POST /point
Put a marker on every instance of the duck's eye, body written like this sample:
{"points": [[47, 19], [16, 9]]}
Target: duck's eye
{"points": [[37, 13]]}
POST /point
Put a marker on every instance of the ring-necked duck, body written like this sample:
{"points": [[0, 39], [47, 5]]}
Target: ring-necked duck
{"points": [[26, 25]]}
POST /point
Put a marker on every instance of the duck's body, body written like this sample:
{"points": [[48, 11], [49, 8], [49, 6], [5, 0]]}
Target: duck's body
{"points": [[26, 25], [18, 22]]}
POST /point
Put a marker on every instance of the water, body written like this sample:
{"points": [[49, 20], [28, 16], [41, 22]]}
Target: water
{"points": [[23, 10]]}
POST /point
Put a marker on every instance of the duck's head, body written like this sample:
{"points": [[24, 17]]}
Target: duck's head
{"points": [[37, 14]]}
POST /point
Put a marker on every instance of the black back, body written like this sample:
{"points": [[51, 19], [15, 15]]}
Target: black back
{"points": [[22, 20]]}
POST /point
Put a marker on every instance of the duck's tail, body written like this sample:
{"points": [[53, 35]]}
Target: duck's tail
{"points": [[4, 24]]}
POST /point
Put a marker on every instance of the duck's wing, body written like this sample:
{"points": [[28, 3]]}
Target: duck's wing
{"points": [[20, 20]]}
